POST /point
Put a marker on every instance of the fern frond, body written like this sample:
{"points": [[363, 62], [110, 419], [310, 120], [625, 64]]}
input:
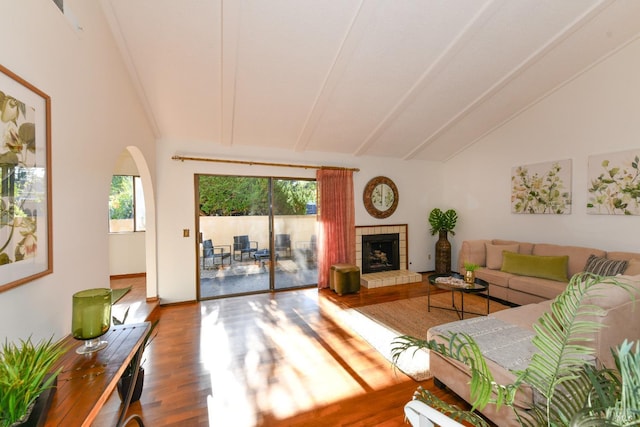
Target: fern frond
{"points": [[464, 349], [558, 367]]}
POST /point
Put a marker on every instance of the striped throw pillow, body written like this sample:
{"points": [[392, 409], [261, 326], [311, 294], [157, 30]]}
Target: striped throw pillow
{"points": [[604, 267]]}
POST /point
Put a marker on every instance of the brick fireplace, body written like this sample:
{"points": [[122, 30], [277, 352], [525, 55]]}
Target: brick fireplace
{"points": [[382, 255]]}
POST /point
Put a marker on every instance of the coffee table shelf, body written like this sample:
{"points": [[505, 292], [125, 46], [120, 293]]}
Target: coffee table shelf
{"points": [[478, 286]]}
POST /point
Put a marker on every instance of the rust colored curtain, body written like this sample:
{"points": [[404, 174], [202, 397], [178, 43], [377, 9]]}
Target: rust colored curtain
{"points": [[336, 215]]}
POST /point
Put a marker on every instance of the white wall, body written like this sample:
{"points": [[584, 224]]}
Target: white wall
{"points": [[127, 253], [418, 186], [94, 117], [596, 113]]}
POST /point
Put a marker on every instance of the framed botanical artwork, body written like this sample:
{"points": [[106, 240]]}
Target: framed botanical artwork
{"points": [[614, 183], [25, 169], [541, 188]]}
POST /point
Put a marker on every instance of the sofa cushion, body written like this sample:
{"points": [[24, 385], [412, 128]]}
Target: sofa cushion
{"points": [[545, 267], [524, 247], [495, 277], [633, 267], [577, 254], [501, 341], [494, 254], [604, 267], [618, 313], [525, 315], [607, 296], [457, 377], [545, 288], [623, 255], [473, 251]]}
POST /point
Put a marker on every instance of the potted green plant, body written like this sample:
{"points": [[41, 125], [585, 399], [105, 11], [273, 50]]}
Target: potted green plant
{"points": [[571, 391], [470, 271], [26, 376], [124, 383], [442, 223]]}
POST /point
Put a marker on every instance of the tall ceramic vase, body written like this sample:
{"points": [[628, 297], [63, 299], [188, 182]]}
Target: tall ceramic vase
{"points": [[443, 254]]}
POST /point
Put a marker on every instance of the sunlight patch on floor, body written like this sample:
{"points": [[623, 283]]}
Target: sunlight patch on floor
{"points": [[278, 369], [321, 368]]}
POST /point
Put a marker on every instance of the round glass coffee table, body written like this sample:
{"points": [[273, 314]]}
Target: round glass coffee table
{"points": [[454, 282]]}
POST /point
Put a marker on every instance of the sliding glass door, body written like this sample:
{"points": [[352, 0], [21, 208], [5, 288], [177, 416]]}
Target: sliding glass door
{"points": [[255, 234], [294, 225]]}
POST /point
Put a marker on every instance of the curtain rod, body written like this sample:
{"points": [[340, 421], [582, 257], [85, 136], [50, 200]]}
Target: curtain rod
{"points": [[245, 162]]}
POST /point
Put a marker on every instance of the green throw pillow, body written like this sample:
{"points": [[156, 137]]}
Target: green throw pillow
{"points": [[544, 267]]}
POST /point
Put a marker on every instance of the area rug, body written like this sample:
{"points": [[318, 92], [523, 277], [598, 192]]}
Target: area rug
{"points": [[116, 294], [380, 324]]}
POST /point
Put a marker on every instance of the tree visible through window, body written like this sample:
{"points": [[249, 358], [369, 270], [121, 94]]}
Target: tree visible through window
{"points": [[237, 196], [126, 204]]}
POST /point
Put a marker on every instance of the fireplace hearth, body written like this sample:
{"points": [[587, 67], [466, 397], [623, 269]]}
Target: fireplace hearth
{"points": [[399, 276], [380, 252]]}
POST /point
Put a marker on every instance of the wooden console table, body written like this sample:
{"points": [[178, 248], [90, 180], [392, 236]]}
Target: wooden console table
{"points": [[87, 381]]}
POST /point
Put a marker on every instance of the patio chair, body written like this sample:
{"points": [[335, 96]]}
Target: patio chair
{"points": [[209, 251], [242, 245], [283, 244]]}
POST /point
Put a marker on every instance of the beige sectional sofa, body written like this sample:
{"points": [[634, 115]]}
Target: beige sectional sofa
{"points": [[505, 336], [526, 289]]}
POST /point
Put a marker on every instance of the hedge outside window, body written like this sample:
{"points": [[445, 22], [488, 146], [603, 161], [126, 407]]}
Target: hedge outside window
{"points": [[126, 204]]}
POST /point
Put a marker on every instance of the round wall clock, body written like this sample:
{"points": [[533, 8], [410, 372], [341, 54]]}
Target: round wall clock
{"points": [[380, 197]]}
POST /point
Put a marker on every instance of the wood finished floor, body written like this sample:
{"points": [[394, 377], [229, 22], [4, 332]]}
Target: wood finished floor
{"points": [[282, 359]]}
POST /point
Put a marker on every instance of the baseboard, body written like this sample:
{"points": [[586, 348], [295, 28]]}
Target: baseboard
{"points": [[127, 276]]}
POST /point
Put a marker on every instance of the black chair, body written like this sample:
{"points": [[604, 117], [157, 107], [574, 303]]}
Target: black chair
{"points": [[242, 245], [283, 244], [214, 253]]}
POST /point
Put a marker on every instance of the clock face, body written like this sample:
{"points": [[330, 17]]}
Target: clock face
{"points": [[380, 197]]}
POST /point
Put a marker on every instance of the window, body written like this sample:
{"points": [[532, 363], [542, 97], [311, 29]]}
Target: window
{"points": [[126, 204]]}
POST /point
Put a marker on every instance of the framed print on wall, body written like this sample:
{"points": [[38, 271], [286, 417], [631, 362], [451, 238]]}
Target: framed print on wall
{"points": [[25, 194], [614, 183], [542, 188]]}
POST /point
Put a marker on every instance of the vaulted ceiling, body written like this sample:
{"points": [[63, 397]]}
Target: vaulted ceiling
{"points": [[409, 79]]}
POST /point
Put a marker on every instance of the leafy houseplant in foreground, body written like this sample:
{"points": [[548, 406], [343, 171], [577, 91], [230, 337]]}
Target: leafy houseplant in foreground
{"points": [[570, 388], [25, 373], [615, 395]]}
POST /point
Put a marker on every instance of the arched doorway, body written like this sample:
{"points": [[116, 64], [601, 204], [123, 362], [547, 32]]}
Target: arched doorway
{"points": [[140, 249]]}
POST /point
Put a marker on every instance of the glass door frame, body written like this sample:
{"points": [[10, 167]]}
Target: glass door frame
{"points": [[271, 231]]}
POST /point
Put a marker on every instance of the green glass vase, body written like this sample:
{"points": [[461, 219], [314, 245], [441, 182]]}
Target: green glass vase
{"points": [[91, 318]]}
